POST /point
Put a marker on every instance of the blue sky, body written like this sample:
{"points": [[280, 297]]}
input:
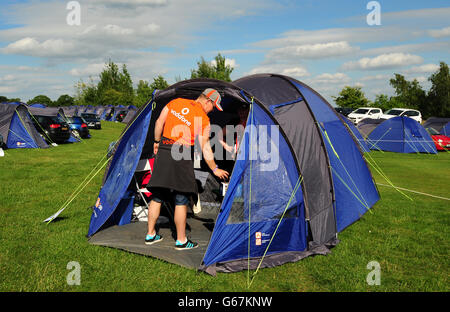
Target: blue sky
{"points": [[326, 44]]}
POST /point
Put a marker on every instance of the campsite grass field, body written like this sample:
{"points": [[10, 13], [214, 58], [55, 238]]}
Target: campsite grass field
{"points": [[408, 237]]}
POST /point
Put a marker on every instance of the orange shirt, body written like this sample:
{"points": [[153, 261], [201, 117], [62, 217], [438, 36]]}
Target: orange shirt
{"points": [[186, 120]]}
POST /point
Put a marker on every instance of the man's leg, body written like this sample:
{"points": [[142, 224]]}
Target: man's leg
{"points": [[154, 209], [181, 201], [180, 222]]}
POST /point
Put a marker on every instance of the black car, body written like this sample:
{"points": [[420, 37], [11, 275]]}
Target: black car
{"points": [[344, 110], [92, 120], [53, 129]]}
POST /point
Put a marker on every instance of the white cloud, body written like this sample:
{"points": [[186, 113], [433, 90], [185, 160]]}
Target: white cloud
{"points": [[89, 70], [283, 69], [47, 48], [312, 51], [439, 33], [384, 61], [427, 68], [376, 77], [327, 78]]}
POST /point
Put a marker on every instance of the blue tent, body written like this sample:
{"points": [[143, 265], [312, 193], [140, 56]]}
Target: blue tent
{"points": [[277, 209], [362, 143], [402, 135], [17, 128]]}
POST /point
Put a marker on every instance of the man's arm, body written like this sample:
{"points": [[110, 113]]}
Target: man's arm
{"points": [[209, 156], [159, 126]]}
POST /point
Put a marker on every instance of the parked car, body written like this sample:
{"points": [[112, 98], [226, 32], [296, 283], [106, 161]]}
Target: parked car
{"points": [[52, 129], [411, 113], [442, 142], [92, 120], [121, 115], [344, 110], [78, 126], [363, 113]]}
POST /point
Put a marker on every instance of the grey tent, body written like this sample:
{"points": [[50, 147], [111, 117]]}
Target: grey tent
{"points": [[17, 128], [441, 125], [367, 125]]}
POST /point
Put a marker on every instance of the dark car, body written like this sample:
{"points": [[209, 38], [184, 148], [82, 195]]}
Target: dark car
{"points": [[78, 126], [53, 129], [121, 115], [344, 110], [92, 120]]}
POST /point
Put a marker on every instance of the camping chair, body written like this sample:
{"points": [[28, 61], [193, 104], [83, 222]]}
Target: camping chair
{"points": [[141, 212]]}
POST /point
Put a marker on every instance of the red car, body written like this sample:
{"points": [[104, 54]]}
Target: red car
{"points": [[442, 142]]}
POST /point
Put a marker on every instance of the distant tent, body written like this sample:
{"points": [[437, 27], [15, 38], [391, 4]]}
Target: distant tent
{"points": [[362, 143], [117, 110], [441, 125], [402, 135], [17, 128], [70, 111], [319, 186], [38, 105], [130, 115], [366, 126], [51, 111]]}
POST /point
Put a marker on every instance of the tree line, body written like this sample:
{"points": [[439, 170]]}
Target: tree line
{"points": [[408, 94], [115, 86]]}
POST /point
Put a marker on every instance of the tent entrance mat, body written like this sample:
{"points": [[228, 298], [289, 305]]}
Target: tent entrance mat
{"points": [[130, 237]]}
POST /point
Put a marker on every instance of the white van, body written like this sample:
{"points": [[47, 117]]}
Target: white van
{"points": [[365, 112], [411, 113]]}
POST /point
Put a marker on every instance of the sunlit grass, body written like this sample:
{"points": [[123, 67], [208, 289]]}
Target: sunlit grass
{"points": [[409, 238]]}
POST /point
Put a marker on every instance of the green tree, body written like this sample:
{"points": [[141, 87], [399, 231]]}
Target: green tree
{"points": [[41, 99], [352, 97], [111, 78], [409, 94], [86, 93], [159, 83], [438, 99], [65, 100], [143, 93], [216, 69], [145, 90], [112, 97], [126, 86]]}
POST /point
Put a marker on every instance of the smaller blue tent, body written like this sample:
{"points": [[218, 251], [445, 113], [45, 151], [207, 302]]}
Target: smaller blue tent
{"points": [[17, 129], [401, 135]]}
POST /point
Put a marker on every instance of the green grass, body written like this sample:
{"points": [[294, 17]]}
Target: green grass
{"points": [[409, 238]]}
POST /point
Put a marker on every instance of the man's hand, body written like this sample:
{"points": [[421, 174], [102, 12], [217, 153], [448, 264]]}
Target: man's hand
{"points": [[155, 148], [221, 174]]}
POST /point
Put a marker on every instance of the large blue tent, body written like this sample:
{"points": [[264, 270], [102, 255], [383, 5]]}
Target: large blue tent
{"points": [[273, 211]]}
